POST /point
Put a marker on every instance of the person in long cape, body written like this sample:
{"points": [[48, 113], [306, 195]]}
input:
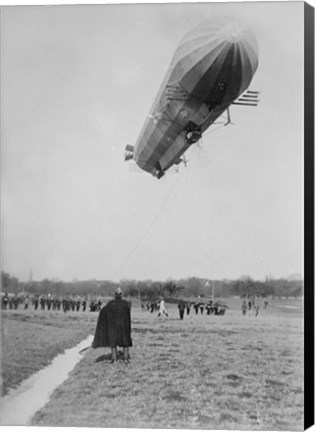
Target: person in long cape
{"points": [[113, 327]]}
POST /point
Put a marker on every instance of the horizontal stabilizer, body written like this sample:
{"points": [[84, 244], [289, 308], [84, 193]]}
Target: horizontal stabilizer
{"points": [[245, 104], [128, 152], [249, 98]]}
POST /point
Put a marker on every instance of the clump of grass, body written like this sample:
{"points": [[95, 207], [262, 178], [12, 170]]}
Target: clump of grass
{"points": [[174, 396], [245, 394], [234, 377], [273, 382]]}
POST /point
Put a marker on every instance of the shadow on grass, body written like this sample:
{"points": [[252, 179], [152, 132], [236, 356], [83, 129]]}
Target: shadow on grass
{"points": [[108, 357]]}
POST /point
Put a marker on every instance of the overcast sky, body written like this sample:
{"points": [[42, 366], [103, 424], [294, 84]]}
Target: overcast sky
{"points": [[77, 85]]}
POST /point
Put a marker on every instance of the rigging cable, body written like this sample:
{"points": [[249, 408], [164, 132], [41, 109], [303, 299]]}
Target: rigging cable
{"points": [[181, 205], [147, 230]]}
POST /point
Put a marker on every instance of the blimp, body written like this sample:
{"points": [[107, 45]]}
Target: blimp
{"points": [[211, 69]]}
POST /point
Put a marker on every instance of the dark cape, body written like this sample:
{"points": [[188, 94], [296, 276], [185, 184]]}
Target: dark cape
{"points": [[114, 325]]}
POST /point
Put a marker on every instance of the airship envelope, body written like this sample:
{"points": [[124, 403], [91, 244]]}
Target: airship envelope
{"points": [[212, 66]]}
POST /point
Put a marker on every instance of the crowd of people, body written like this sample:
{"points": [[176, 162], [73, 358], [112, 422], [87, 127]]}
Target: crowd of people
{"points": [[114, 321], [77, 303], [210, 307], [49, 302], [250, 305]]}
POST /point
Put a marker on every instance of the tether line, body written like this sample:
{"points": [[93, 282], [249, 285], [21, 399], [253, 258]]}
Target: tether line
{"points": [[147, 230]]}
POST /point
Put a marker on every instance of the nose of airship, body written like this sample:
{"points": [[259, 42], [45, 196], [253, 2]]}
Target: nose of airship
{"points": [[221, 47], [219, 32], [233, 31]]}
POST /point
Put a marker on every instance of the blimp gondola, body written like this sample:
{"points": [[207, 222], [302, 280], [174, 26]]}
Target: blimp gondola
{"points": [[211, 69]]}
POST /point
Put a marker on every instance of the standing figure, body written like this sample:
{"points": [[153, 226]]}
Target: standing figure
{"points": [[244, 307], [181, 308], [209, 307], [36, 301], [188, 306], [16, 301], [99, 304], [42, 302], [78, 304], [196, 307], [5, 301], [256, 310], [114, 327], [84, 302], [10, 302], [65, 304], [162, 308], [201, 307], [49, 301]]}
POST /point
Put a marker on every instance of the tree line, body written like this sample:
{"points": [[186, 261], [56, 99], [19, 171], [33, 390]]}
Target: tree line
{"points": [[190, 287]]}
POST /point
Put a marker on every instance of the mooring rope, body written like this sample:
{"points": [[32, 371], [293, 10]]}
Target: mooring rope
{"points": [[180, 206], [146, 232]]}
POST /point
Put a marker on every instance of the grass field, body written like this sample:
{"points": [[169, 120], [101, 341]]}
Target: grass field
{"points": [[205, 372], [31, 339]]}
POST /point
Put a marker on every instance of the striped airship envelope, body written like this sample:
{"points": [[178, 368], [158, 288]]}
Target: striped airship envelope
{"points": [[220, 51], [212, 66]]}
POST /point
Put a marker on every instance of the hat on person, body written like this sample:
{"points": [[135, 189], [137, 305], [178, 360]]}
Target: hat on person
{"points": [[118, 293]]}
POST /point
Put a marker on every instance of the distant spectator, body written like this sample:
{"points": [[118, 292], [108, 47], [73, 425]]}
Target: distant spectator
{"points": [[78, 304], [99, 304], [181, 308], [196, 307], [5, 301], [162, 309], [201, 307], [16, 301], [42, 302], [65, 304], [84, 304], [188, 306], [209, 307], [244, 307], [36, 301]]}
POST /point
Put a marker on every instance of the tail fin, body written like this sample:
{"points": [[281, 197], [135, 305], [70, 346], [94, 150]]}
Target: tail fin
{"points": [[128, 152], [248, 98]]}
